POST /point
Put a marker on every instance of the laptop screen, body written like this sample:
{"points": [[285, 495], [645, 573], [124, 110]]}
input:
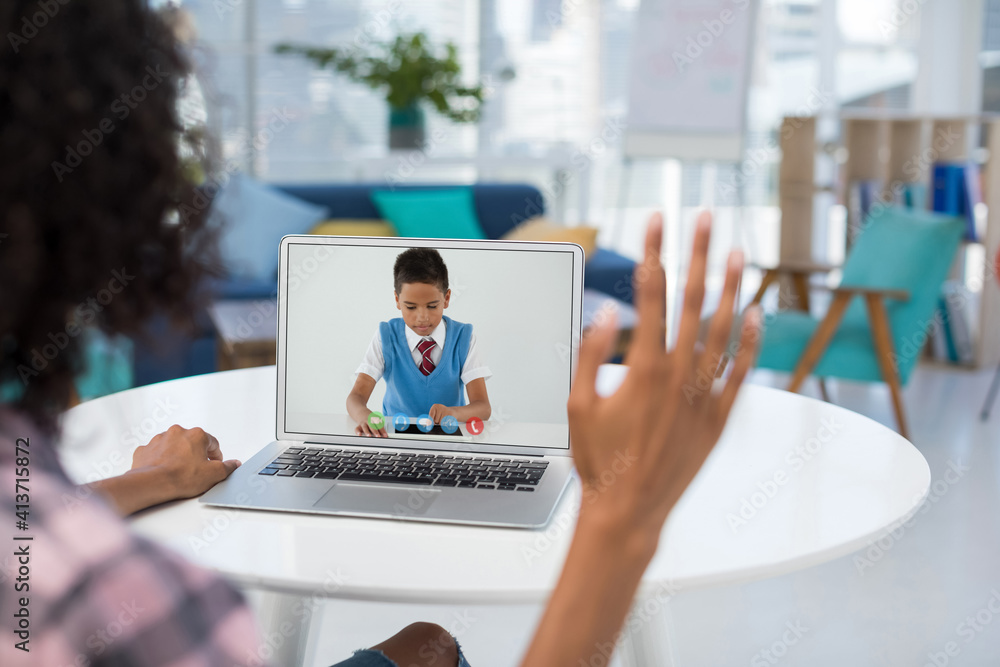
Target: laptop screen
{"points": [[430, 344]]}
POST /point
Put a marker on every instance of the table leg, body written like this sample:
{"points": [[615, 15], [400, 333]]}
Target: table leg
{"points": [[648, 640], [285, 622]]}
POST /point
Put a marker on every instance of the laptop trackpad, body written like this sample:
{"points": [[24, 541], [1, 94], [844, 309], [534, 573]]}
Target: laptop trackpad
{"points": [[347, 497]]}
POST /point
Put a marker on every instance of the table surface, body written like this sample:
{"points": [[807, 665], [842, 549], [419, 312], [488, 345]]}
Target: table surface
{"points": [[792, 483]]}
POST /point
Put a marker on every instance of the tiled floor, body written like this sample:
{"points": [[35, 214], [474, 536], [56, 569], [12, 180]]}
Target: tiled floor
{"points": [[903, 605], [899, 602]]}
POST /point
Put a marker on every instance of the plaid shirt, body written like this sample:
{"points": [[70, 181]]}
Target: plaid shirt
{"points": [[95, 593]]}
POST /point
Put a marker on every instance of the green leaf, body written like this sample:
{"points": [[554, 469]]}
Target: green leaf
{"points": [[406, 70]]}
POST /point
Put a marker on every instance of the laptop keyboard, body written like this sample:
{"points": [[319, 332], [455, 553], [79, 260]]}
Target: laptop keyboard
{"points": [[408, 468]]}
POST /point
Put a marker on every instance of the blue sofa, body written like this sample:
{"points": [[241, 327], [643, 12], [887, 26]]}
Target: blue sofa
{"points": [[169, 354]]}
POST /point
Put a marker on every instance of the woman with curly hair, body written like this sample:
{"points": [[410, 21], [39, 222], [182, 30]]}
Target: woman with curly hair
{"points": [[90, 237]]}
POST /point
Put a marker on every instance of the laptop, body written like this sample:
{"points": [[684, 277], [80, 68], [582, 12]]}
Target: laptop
{"points": [[514, 321]]}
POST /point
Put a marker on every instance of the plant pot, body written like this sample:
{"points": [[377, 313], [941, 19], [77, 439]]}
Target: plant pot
{"points": [[406, 128]]}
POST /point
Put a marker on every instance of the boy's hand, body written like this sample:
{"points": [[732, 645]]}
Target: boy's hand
{"points": [[439, 412], [662, 421], [364, 429], [357, 408]]}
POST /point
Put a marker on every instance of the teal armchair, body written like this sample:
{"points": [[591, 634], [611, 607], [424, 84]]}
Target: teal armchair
{"points": [[878, 319]]}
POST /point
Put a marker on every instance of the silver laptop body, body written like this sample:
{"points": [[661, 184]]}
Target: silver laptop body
{"points": [[519, 469]]}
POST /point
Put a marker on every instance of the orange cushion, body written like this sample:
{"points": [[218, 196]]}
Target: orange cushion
{"points": [[540, 229]]}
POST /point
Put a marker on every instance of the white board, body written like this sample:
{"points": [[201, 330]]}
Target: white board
{"points": [[688, 79]]}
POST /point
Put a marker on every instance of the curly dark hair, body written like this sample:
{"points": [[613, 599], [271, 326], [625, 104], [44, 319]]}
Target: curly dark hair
{"points": [[90, 188], [420, 265]]}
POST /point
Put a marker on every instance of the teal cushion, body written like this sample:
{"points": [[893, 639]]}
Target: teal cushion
{"points": [[432, 214], [108, 365], [850, 355], [253, 217], [107, 368], [11, 391]]}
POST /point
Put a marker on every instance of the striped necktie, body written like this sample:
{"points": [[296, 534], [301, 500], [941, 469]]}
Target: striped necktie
{"points": [[425, 346]]}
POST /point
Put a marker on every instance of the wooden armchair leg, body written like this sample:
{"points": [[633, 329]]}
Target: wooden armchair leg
{"points": [[882, 337], [819, 342], [823, 391], [991, 395], [801, 282], [769, 277]]}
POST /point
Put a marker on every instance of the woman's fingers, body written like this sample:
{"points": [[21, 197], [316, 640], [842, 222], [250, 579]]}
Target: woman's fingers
{"points": [[213, 449], [749, 337], [716, 344], [650, 294], [694, 292], [594, 350]]}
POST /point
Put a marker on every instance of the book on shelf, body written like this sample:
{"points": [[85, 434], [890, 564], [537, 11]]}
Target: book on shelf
{"points": [[956, 190], [973, 195], [861, 196], [951, 328], [912, 196]]}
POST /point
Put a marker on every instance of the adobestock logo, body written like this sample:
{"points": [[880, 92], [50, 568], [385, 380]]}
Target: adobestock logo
{"points": [[121, 108], [83, 315], [895, 532], [608, 477], [899, 16], [779, 648], [915, 169], [968, 629], [289, 631], [760, 159], [139, 434], [714, 29], [407, 165], [795, 460], [204, 195], [47, 9]]}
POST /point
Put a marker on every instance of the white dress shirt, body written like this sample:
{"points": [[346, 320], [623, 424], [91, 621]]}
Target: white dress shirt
{"points": [[374, 361]]}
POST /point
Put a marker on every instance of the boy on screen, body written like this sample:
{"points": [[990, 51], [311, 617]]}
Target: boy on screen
{"points": [[426, 358]]}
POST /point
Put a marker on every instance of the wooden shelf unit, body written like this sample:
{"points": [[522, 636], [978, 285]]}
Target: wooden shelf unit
{"points": [[894, 149]]}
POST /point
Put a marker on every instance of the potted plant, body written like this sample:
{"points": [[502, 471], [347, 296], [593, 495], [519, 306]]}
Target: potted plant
{"points": [[408, 71]]}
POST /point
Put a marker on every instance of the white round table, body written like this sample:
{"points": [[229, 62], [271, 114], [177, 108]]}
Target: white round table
{"points": [[793, 482]]}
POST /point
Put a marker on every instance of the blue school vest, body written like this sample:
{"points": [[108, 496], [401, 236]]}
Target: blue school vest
{"points": [[408, 390]]}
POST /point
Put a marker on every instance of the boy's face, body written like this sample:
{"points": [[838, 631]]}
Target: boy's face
{"points": [[422, 306]]}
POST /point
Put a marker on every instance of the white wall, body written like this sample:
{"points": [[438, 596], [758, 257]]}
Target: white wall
{"points": [[949, 78], [519, 303]]}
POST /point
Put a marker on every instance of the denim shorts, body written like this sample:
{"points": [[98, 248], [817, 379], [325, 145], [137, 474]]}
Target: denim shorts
{"points": [[369, 657]]}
